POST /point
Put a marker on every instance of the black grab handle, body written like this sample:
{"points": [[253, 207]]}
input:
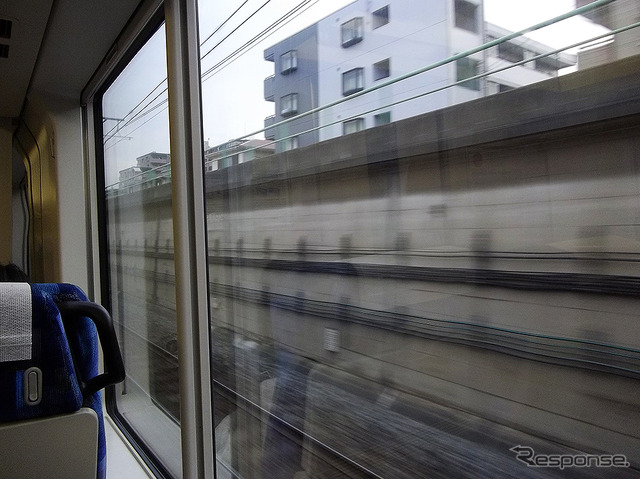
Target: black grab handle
{"points": [[113, 365]]}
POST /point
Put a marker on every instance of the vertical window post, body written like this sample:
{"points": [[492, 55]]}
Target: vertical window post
{"points": [[190, 238]]}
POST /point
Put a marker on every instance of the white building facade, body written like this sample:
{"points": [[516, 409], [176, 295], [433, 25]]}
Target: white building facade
{"points": [[392, 38], [236, 152], [621, 45], [520, 61], [379, 45]]}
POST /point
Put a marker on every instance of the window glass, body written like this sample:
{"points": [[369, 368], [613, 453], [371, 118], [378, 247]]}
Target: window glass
{"points": [[352, 81], [467, 68], [447, 292], [352, 126], [288, 62], [549, 65], [352, 32], [290, 143], [137, 173], [381, 17], [381, 69], [466, 15], [510, 52], [289, 104], [382, 118]]}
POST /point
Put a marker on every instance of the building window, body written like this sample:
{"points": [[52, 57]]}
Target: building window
{"points": [[352, 32], [352, 81], [381, 69], [467, 68], [548, 65], [351, 126], [510, 52], [382, 118], [228, 161], [288, 62], [494, 87], [289, 143], [381, 17], [289, 104], [466, 15]]}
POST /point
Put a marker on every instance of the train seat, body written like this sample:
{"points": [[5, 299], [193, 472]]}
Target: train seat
{"points": [[49, 381]]}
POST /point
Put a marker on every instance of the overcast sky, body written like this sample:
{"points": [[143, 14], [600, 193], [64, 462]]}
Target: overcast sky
{"points": [[519, 14]]}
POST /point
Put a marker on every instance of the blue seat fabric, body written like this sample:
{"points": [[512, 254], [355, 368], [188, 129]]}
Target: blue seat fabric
{"points": [[52, 354]]}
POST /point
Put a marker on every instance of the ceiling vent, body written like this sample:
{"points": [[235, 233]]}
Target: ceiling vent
{"points": [[5, 28]]}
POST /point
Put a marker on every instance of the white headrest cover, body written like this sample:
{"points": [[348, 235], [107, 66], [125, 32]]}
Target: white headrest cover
{"points": [[15, 322]]}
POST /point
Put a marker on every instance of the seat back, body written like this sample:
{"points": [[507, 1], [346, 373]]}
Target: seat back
{"points": [[49, 355]]}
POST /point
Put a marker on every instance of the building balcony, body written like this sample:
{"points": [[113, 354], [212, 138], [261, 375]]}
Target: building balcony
{"points": [[269, 84], [601, 16], [269, 133]]}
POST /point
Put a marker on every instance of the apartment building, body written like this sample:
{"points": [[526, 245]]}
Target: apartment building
{"points": [[396, 48], [236, 152], [622, 44], [519, 62], [152, 169]]}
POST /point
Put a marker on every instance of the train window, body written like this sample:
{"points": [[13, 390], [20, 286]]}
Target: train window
{"points": [[438, 296], [137, 175], [453, 293]]}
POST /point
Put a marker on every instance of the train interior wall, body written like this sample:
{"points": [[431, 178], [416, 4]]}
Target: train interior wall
{"points": [[474, 210]]}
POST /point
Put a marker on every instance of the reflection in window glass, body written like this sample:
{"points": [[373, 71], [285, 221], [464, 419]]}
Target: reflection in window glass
{"points": [[467, 68], [352, 126], [288, 62], [466, 14], [352, 32], [382, 118], [289, 143], [140, 249], [419, 299], [352, 81], [380, 17], [510, 52], [381, 69], [289, 104]]}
